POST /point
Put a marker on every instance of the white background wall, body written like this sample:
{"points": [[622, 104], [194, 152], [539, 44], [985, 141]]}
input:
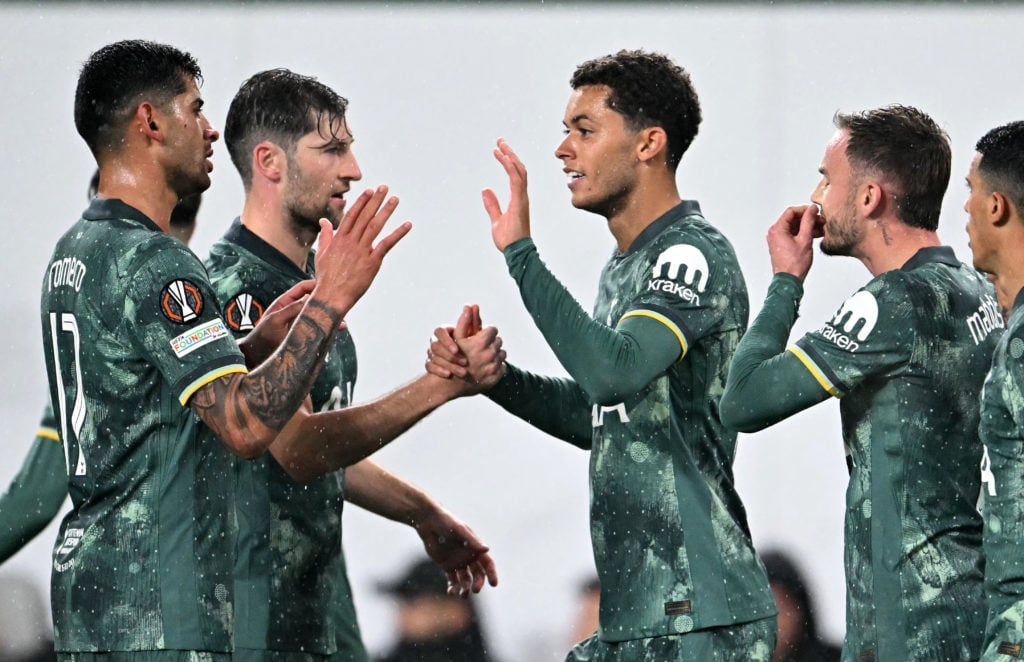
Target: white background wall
{"points": [[431, 87]]}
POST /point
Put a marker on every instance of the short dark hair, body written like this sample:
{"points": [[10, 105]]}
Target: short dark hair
{"points": [[648, 89], [909, 150], [1002, 161], [280, 106], [119, 76]]}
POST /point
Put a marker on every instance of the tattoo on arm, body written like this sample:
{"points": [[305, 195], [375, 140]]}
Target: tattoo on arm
{"points": [[272, 392]]}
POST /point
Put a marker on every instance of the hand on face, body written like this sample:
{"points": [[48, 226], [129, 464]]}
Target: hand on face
{"points": [[512, 224], [790, 240]]}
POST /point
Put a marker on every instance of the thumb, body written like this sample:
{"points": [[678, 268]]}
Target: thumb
{"points": [[463, 328]]}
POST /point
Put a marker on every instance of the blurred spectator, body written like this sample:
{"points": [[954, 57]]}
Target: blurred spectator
{"points": [[588, 606], [25, 633], [798, 629], [432, 625]]}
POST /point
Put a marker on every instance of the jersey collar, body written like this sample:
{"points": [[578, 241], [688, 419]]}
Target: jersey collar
{"points": [[940, 254], [680, 211], [104, 208], [250, 241]]}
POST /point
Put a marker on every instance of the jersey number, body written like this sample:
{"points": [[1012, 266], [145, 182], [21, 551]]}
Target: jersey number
{"points": [[69, 325]]}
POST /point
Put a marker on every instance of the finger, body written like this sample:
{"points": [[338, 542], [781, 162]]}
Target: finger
{"points": [[326, 235], [443, 364], [385, 245], [808, 223], [353, 212], [513, 159], [478, 576], [369, 212], [443, 337], [453, 582], [491, 205], [490, 570], [377, 222], [298, 292], [464, 327], [436, 369], [477, 325]]}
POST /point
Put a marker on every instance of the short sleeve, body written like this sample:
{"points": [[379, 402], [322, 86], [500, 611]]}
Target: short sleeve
{"points": [[174, 321]]}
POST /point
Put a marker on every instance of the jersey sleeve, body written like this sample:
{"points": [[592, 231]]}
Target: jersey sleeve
{"points": [[34, 497], [871, 334], [175, 321], [554, 405], [687, 290], [608, 364]]}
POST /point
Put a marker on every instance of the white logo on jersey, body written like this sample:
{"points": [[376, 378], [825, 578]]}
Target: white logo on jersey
{"points": [[598, 412], [685, 257], [336, 401], [181, 297], [68, 272], [245, 322], [860, 309], [196, 337], [987, 318], [987, 477], [71, 539]]}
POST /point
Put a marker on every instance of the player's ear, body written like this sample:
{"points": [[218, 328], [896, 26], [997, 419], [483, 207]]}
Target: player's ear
{"points": [[872, 198], [148, 122], [269, 161], [651, 142], [999, 208]]}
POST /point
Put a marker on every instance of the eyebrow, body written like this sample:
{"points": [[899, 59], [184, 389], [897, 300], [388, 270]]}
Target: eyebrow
{"points": [[576, 118]]}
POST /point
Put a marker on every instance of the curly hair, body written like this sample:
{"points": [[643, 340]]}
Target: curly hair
{"points": [[906, 147], [647, 89]]}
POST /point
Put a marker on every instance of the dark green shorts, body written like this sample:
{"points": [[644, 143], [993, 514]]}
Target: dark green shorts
{"points": [[145, 656]]}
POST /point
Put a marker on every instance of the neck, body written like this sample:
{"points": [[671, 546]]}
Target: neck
{"points": [[1008, 271], [644, 205], [889, 243], [266, 217], [133, 184]]}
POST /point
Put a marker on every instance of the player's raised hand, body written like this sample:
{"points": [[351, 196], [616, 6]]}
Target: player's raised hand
{"points": [[347, 260], [514, 223], [791, 240], [274, 324]]}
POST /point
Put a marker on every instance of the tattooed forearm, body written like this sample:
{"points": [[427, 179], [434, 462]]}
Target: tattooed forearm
{"points": [[274, 390], [247, 412]]}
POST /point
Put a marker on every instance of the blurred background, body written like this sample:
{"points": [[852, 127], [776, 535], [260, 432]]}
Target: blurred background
{"points": [[432, 85]]}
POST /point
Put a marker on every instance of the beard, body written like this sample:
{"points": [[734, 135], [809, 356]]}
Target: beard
{"points": [[842, 232]]}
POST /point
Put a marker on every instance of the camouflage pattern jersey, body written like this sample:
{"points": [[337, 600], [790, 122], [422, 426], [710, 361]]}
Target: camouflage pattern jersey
{"points": [[669, 532], [131, 330], [907, 354], [292, 589], [1002, 431]]}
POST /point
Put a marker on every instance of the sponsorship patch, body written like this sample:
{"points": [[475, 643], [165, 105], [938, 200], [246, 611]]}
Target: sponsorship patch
{"points": [[193, 339], [243, 312], [853, 322], [181, 301], [685, 261]]}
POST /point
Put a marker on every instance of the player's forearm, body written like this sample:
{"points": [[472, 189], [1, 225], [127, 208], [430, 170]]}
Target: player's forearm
{"points": [[373, 488], [34, 498], [609, 364], [248, 412], [556, 406], [766, 383], [328, 441]]}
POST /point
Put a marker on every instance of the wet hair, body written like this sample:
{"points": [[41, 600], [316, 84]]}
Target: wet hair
{"points": [[279, 106], [906, 148], [647, 89], [1002, 161], [117, 78]]}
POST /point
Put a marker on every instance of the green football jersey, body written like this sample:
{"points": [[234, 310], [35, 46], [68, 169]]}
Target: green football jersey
{"points": [[37, 492], [1002, 432], [670, 536], [907, 354], [292, 591], [131, 330]]}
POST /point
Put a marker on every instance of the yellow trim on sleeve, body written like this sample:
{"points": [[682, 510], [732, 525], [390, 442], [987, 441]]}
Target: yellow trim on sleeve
{"points": [[48, 433], [207, 378], [815, 371], [664, 320]]}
